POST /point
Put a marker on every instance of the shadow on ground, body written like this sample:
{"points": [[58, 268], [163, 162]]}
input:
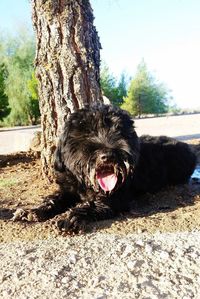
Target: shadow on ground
{"points": [[6, 214], [13, 159], [164, 202]]}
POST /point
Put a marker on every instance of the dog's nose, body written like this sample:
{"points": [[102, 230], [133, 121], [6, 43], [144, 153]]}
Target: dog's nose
{"points": [[105, 156]]}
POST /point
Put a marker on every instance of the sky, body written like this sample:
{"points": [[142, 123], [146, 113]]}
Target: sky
{"points": [[165, 33]]}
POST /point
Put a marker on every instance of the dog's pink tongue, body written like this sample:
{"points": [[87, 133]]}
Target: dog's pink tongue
{"points": [[107, 182]]}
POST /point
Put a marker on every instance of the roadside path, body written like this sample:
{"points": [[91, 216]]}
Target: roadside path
{"points": [[16, 139], [183, 127]]}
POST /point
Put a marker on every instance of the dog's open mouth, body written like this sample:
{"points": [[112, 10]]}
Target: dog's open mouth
{"points": [[106, 178]]}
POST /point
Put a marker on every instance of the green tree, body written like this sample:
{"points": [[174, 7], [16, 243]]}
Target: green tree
{"points": [[108, 83], [34, 111], [122, 88], [145, 94], [4, 105], [114, 90], [18, 54]]}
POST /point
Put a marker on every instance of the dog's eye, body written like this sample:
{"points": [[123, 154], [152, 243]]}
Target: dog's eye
{"points": [[117, 126], [77, 123]]}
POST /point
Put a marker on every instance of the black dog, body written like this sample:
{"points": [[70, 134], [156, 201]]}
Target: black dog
{"points": [[101, 164]]}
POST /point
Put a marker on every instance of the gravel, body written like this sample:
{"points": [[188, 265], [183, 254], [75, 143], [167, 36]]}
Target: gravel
{"points": [[100, 265]]}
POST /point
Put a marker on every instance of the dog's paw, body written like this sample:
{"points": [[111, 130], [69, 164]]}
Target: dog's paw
{"points": [[24, 215], [72, 224]]}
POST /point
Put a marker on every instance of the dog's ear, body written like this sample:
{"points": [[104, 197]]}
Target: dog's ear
{"points": [[58, 162]]}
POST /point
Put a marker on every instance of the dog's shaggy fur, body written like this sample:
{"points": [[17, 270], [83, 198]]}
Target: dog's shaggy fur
{"points": [[101, 165]]}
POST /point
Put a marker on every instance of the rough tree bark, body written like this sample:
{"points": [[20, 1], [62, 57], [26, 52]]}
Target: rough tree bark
{"points": [[67, 65]]}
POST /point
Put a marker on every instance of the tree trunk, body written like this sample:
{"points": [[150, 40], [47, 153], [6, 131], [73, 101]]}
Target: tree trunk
{"points": [[67, 65]]}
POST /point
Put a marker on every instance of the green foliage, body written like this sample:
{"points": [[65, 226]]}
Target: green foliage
{"points": [[122, 89], [4, 105], [33, 87], [7, 182], [174, 109], [145, 95], [34, 111], [20, 86], [114, 90]]}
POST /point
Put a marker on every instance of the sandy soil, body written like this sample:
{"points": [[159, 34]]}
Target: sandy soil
{"points": [[21, 185]]}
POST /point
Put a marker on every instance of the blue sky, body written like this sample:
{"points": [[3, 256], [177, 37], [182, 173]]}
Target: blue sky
{"points": [[166, 33]]}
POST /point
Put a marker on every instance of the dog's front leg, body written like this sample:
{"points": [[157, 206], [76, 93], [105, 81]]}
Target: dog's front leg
{"points": [[51, 206], [75, 220]]}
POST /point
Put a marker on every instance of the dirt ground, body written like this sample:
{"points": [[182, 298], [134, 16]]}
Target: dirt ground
{"points": [[22, 186]]}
